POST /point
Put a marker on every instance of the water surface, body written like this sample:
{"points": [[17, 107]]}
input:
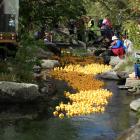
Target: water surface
{"points": [[105, 126]]}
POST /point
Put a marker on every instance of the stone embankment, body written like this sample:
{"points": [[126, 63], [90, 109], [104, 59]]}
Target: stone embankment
{"points": [[12, 92], [133, 86], [132, 133]]}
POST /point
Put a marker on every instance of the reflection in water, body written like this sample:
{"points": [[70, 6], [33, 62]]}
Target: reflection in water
{"points": [[53, 129], [104, 126]]}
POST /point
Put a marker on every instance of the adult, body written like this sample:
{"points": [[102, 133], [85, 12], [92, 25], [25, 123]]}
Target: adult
{"points": [[117, 47], [127, 44], [100, 21], [80, 25], [71, 25], [105, 31], [94, 31], [107, 22], [137, 70], [106, 28]]}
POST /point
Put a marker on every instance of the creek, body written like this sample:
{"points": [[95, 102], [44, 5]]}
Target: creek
{"points": [[105, 126]]}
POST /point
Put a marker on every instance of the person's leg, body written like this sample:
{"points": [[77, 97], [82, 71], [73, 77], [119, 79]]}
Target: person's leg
{"points": [[136, 70], [121, 52], [114, 52]]}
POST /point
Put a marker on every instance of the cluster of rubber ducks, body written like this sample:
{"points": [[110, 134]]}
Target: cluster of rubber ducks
{"points": [[87, 69], [83, 103], [81, 60], [90, 98], [77, 80]]}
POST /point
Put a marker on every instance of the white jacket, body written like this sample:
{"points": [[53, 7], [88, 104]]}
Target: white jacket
{"points": [[129, 45]]}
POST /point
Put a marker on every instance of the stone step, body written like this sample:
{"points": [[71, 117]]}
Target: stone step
{"points": [[131, 82], [124, 87]]}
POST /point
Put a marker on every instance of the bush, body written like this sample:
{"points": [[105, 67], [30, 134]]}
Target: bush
{"points": [[21, 66], [131, 27], [8, 77]]}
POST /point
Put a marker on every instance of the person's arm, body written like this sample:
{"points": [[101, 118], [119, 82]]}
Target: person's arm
{"points": [[117, 45], [113, 43]]}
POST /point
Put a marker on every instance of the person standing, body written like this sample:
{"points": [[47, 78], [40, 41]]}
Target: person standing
{"points": [[106, 28], [94, 31], [80, 25], [128, 45], [71, 26], [107, 22]]}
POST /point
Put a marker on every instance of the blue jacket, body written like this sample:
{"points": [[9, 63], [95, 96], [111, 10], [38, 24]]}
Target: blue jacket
{"points": [[118, 45]]}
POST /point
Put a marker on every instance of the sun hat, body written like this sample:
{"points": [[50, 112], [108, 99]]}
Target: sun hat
{"points": [[114, 38]]}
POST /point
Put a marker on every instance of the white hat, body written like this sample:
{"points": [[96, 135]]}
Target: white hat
{"points": [[114, 38]]}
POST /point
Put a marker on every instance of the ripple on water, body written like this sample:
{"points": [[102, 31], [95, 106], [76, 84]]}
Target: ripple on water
{"points": [[104, 126]]}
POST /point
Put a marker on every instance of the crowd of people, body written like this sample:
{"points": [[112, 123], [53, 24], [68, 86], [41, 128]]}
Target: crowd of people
{"points": [[120, 45], [89, 29]]}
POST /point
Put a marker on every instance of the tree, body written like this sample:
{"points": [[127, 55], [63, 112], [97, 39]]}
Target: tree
{"points": [[35, 13]]}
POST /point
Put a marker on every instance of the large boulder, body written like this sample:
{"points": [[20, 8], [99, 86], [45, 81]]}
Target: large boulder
{"points": [[123, 74], [135, 105], [111, 75], [132, 82], [50, 64], [131, 134], [18, 92]]}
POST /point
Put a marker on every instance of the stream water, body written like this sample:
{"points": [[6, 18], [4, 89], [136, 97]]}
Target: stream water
{"points": [[105, 126]]}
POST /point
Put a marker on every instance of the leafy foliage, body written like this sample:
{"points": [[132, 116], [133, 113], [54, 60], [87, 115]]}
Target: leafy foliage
{"points": [[48, 12], [133, 31], [35, 14]]}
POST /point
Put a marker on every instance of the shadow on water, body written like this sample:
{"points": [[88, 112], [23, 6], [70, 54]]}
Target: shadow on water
{"points": [[105, 126]]}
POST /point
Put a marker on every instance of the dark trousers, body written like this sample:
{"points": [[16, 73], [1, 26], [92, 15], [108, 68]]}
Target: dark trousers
{"points": [[137, 70]]}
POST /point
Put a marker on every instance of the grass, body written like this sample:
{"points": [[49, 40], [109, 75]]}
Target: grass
{"points": [[128, 65], [8, 77]]}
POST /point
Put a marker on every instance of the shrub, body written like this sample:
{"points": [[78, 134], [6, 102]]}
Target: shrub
{"points": [[131, 27]]}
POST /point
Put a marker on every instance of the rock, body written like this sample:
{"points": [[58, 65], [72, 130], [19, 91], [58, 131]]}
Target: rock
{"points": [[119, 64], [37, 76], [18, 92], [131, 82], [36, 69], [82, 44], [132, 90], [42, 54], [109, 75], [123, 74], [135, 105], [132, 75], [74, 42], [114, 60], [106, 57], [99, 52], [47, 87], [123, 87], [91, 49], [135, 90], [49, 64], [131, 134]]}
